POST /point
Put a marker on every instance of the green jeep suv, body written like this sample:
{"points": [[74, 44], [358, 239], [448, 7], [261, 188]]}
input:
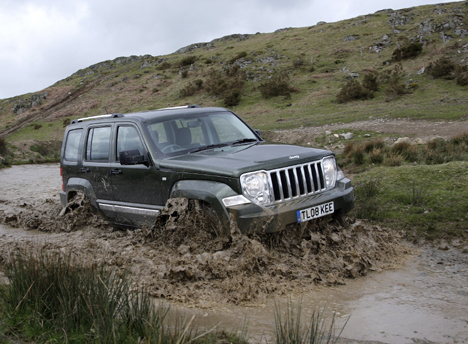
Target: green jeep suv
{"points": [[129, 166]]}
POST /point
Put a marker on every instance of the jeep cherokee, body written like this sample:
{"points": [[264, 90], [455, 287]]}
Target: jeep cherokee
{"points": [[129, 166]]}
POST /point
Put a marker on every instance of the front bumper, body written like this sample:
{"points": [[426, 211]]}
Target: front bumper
{"points": [[252, 218]]}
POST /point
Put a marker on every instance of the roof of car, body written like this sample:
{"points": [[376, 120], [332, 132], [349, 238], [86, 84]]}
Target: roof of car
{"points": [[151, 114]]}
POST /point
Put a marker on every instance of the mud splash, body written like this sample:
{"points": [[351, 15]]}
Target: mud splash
{"points": [[184, 258]]}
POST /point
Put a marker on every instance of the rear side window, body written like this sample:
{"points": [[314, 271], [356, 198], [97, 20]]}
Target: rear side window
{"points": [[72, 145], [97, 147]]}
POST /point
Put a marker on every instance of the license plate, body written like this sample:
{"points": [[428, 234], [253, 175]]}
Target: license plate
{"points": [[315, 212]]}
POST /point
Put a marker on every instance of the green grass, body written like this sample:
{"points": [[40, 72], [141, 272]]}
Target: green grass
{"points": [[427, 201], [40, 131]]}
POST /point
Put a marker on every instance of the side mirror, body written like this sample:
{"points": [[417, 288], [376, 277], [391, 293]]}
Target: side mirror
{"points": [[133, 157]]}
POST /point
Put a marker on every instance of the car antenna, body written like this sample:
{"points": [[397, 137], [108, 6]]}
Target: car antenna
{"points": [[106, 110]]}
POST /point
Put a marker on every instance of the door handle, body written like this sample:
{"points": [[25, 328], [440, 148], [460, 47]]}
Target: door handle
{"points": [[115, 171], [84, 170]]}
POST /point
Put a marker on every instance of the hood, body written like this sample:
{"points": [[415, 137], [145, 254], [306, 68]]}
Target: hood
{"points": [[234, 161]]}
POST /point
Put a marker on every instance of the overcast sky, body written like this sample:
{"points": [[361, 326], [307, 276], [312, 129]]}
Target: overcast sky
{"points": [[43, 41]]}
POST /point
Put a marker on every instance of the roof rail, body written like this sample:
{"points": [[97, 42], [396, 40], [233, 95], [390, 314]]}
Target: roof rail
{"points": [[113, 115], [181, 107]]}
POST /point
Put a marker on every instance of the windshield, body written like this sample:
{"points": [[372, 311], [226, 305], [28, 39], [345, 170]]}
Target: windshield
{"points": [[197, 132]]}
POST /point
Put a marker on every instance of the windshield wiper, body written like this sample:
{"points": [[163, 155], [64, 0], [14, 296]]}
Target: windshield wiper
{"points": [[242, 141], [202, 148]]}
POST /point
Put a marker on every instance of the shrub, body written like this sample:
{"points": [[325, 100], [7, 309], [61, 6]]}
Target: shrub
{"points": [[164, 66], [395, 88], [393, 160], [408, 51], [230, 88], [369, 146], [460, 139], [278, 85], [367, 206], [406, 150], [442, 68], [376, 156], [37, 126], [348, 149], [232, 70], [191, 89], [462, 79], [461, 74], [358, 155], [237, 57], [232, 98], [66, 122], [188, 60], [298, 63], [3, 146], [370, 82], [353, 91]]}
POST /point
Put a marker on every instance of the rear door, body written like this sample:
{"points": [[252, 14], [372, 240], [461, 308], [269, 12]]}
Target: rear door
{"points": [[96, 162]]}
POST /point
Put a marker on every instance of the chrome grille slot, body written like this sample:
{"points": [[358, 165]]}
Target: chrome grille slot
{"points": [[297, 181]]}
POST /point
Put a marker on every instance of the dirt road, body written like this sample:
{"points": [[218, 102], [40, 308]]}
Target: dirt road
{"points": [[411, 296]]}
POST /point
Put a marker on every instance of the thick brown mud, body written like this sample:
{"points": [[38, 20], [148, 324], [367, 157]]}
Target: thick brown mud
{"points": [[184, 259]]}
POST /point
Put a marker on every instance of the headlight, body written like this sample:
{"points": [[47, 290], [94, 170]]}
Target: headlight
{"points": [[255, 187], [329, 172]]}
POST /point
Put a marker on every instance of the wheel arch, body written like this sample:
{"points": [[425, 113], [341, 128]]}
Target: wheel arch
{"points": [[206, 191], [75, 185]]}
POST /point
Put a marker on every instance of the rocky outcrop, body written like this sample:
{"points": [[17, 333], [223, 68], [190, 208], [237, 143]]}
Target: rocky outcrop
{"points": [[399, 18], [25, 103], [209, 45]]}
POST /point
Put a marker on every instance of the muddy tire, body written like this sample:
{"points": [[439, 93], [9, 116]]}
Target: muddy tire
{"points": [[186, 221]]}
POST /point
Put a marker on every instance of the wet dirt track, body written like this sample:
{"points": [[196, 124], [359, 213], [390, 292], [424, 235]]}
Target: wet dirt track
{"points": [[423, 299]]}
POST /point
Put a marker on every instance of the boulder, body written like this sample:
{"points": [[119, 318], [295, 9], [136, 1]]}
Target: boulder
{"points": [[405, 140]]}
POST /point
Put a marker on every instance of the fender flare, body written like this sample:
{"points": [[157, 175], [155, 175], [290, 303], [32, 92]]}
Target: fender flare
{"points": [[84, 186], [207, 191]]}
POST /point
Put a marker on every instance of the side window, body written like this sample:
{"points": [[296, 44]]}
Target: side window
{"points": [[72, 145], [128, 139], [97, 147]]}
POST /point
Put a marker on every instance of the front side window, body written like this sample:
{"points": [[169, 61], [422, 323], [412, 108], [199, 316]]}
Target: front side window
{"points": [[128, 139], [97, 147], [72, 145]]}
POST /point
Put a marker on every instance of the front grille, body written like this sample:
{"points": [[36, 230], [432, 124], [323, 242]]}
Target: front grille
{"points": [[297, 181]]}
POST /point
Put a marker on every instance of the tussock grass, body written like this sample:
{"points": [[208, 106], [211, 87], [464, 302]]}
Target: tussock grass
{"points": [[436, 151], [290, 329], [52, 297]]}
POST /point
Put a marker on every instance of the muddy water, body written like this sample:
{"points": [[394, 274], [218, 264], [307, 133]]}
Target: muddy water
{"points": [[423, 299]]}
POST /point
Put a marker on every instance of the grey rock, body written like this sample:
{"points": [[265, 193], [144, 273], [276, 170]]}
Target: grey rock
{"points": [[25, 103], [350, 38]]}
